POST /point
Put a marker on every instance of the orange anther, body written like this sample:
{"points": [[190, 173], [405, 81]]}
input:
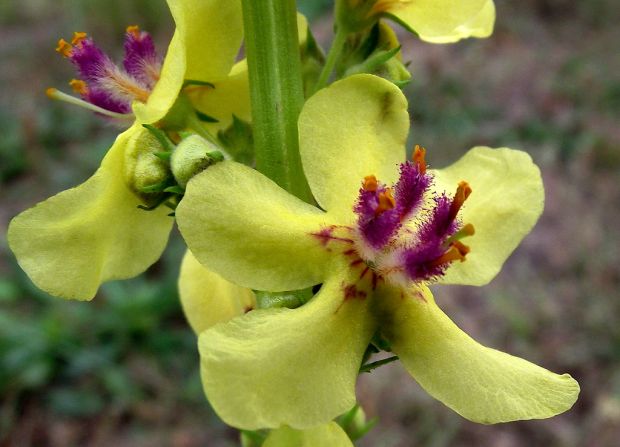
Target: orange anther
{"points": [[370, 183], [462, 193], [462, 248], [64, 48], [78, 86], [418, 158], [453, 254], [467, 230], [134, 30], [78, 37], [386, 201]]}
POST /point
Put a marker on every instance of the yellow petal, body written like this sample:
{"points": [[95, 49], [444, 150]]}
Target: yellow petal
{"points": [[296, 367], [211, 33], [72, 242], [207, 298], [443, 21], [244, 227], [230, 96], [168, 86], [481, 384], [353, 128], [204, 47], [506, 202]]}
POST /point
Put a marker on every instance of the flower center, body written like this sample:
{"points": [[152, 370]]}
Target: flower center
{"points": [[103, 83], [404, 233]]}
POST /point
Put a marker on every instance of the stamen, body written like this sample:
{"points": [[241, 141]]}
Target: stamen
{"points": [[134, 30], [467, 230], [418, 158], [63, 47], [386, 201], [80, 87], [462, 193], [370, 183], [53, 93], [462, 248], [78, 37], [453, 254]]}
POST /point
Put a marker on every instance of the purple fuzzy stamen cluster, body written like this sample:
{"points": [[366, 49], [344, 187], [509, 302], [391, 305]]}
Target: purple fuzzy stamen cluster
{"points": [[101, 74], [419, 252], [410, 188], [418, 259], [140, 54], [376, 228]]}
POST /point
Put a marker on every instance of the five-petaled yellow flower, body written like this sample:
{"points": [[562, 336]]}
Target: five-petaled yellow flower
{"points": [[373, 249]]}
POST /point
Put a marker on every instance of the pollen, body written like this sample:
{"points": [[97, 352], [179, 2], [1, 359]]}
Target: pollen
{"points": [[78, 37], [370, 183], [134, 30], [63, 47], [386, 201], [79, 86], [419, 154]]}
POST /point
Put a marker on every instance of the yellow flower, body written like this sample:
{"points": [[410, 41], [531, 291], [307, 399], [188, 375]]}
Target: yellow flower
{"points": [[72, 242], [298, 367]]}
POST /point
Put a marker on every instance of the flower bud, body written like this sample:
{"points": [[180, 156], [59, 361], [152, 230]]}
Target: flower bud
{"points": [[145, 173], [193, 155]]}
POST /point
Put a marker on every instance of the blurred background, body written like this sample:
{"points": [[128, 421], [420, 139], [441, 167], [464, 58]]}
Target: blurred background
{"points": [[123, 369]]}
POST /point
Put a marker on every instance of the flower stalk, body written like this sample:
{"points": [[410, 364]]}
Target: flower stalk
{"points": [[276, 90]]}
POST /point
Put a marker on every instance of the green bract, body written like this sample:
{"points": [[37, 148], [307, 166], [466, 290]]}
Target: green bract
{"points": [[71, 243], [298, 367]]}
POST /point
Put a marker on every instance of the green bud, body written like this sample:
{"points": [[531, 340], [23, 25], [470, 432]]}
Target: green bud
{"points": [[145, 173], [291, 300], [192, 156]]}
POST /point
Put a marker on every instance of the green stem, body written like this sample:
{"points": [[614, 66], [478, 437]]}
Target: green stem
{"points": [[332, 57], [276, 90]]}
